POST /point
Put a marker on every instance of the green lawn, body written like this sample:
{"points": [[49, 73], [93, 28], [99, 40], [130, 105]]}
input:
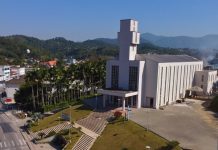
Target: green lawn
{"points": [[77, 112], [74, 137], [128, 136]]}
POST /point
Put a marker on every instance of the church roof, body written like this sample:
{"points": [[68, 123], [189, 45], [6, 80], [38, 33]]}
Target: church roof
{"points": [[166, 58]]}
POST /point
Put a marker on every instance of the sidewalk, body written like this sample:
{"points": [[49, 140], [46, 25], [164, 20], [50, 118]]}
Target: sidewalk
{"points": [[28, 138], [86, 131]]}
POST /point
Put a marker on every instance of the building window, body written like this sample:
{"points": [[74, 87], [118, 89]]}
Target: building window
{"points": [[202, 86], [202, 78], [114, 77], [133, 77]]}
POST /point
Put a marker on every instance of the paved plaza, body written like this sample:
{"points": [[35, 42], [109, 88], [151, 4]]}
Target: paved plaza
{"points": [[179, 122]]}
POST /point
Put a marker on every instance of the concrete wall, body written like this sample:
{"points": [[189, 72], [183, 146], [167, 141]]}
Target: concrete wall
{"points": [[149, 82], [128, 38], [173, 80], [205, 79]]}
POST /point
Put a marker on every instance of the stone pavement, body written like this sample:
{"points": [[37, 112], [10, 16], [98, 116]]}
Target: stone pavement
{"points": [[92, 126], [57, 128], [84, 143], [178, 122]]}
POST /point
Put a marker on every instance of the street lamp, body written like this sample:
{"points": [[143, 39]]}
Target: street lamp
{"points": [[70, 123], [96, 101], [59, 118], [147, 119]]}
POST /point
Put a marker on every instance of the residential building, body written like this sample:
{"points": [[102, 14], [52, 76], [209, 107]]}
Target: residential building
{"points": [[5, 72], [50, 63], [17, 71], [146, 80]]}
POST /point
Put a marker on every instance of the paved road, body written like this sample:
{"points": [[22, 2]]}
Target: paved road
{"points": [[179, 123], [10, 136]]}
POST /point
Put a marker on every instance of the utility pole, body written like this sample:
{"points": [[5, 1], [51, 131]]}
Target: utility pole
{"points": [[96, 101], [147, 120], [70, 123]]}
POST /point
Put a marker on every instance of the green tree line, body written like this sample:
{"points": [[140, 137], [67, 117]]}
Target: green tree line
{"points": [[51, 86]]}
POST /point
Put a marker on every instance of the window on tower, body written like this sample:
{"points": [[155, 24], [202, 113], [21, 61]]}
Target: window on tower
{"points": [[133, 77], [114, 77]]}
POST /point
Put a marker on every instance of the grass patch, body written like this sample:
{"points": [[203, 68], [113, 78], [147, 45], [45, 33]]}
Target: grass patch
{"points": [[77, 112], [75, 135], [128, 136]]}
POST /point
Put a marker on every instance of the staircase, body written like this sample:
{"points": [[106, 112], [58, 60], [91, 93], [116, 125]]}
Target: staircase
{"points": [[57, 128], [84, 143], [94, 124]]}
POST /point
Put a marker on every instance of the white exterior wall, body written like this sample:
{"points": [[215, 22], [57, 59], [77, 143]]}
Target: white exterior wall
{"points": [[210, 77], [11, 90], [5, 71], [173, 80], [1, 78], [128, 38], [21, 71], [141, 73], [162, 82], [149, 82], [16, 72], [124, 75]]}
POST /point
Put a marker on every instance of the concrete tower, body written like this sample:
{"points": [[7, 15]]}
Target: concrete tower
{"points": [[128, 38]]}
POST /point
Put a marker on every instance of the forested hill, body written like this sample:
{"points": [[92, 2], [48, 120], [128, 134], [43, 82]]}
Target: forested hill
{"points": [[13, 48]]}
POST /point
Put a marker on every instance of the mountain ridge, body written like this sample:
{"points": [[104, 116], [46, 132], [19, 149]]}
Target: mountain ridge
{"points": [[209, 41]]}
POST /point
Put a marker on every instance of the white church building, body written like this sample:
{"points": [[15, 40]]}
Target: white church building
{"points": [[146, 80]]}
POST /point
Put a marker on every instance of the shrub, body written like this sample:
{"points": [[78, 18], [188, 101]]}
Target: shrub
{"points": [[214, 104], [117, 114], [172, 144], [64, 132], [74, 132], [59, 141], [41, 134], [79, 128], [51, 133]]}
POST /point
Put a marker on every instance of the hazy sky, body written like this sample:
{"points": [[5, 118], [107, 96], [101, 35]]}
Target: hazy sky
{"points": [[88, 19]]}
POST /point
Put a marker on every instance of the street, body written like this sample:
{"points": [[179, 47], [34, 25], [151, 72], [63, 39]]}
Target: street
{"points": [[10, 136]]}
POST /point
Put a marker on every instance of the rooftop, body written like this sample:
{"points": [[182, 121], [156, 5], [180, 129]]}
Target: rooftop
{"points": [[121, 93], [19, 81], [166, 58]]}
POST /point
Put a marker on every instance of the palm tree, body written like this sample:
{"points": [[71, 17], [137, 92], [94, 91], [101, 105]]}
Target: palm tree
{"points": [[30, 79]]}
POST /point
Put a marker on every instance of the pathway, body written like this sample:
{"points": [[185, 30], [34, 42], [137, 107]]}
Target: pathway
{"points": [[92, 126], [57, 128]]}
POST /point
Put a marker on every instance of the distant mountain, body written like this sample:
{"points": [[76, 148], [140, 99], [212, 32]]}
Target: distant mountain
{"points": [[205, 42], [107, 40], [13, 48]]}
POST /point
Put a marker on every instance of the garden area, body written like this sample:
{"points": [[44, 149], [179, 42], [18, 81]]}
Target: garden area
{"points": [[65, 139], [120, 135], [77, 112]]}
